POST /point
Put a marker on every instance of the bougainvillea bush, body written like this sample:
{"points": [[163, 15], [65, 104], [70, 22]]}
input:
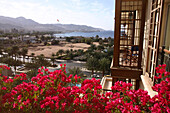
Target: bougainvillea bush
{"points": [[51, 92]]}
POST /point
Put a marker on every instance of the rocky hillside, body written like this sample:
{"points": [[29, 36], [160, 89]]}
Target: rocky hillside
{"points": [[21, 23]]}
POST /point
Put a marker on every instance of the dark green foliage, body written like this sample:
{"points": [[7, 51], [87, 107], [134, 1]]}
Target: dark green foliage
{"points": [[92, 63], [101, 42], [61, 51], [55, 42], [104, 65], [88, 41], [68, 39], [75, 71], [24, 52], [31, 74]]}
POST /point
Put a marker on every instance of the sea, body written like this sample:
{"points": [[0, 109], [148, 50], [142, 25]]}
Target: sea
{"points": [[101, 34]]}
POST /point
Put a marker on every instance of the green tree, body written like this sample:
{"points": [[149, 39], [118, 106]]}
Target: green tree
{"points": [[100, 42], [52, 58], [75, 51], [71, 55], [91, 64], [82, 40], [32, 55], [67, 52], [24, 52], [15, 50], [80, 52], [41, 61], [9, 51], [105, 40], [55, 42], [53, 55], [109, 39], [16, 63], [11, 62], [19, 54], [1, 50], [75, 71], [100, 47], [104, 64], [88, 41], [68, 39], [92, 47], [61, 51], [57, 54], [32, 66], [97, 36], [31, 74]]}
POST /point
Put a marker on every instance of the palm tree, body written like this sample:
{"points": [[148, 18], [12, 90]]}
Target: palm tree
{"points": [[61, 51], [80, 51], [34, 59], [32, 55], [71, 55], [9, 51], [24, 52], [57, 54], [11, 62], [109, 39], [19, 54], [101, 42], [52, 58], [100, 47], [67, 52], [97, 36], [104, 64], [91, 64], [41, 61], [42, 55], [110, 42], [16, 63], [75, 51], [92, 47], [1, 50], [32, 66], [75, 71], [15, 50], [53, 55]]}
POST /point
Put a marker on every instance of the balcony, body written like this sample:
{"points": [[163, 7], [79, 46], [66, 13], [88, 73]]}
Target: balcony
{"points": [[129, 32]]}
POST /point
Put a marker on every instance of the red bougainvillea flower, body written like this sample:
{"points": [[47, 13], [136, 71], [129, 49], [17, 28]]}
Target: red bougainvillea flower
{"points": [[51, 92]]}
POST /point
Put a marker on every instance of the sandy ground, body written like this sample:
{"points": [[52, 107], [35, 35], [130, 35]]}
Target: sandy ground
{"points": [[48, 50]]}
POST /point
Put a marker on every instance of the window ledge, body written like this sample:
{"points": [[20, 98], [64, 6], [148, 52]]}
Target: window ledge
{"points": [[147, 83]]}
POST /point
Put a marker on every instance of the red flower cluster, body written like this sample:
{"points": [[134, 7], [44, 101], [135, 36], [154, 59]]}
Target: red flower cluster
{"points": [[161, 102], [4, 67], [51, 92], [161, 71]]}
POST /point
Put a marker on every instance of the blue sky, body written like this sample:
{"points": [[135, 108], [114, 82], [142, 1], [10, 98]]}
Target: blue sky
{"points": [[96, 13]]}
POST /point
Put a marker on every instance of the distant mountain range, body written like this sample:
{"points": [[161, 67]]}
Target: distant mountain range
{"points": [[21, 23]]}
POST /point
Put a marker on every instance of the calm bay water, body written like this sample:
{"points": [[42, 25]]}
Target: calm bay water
{"points": [[102, 34]]}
